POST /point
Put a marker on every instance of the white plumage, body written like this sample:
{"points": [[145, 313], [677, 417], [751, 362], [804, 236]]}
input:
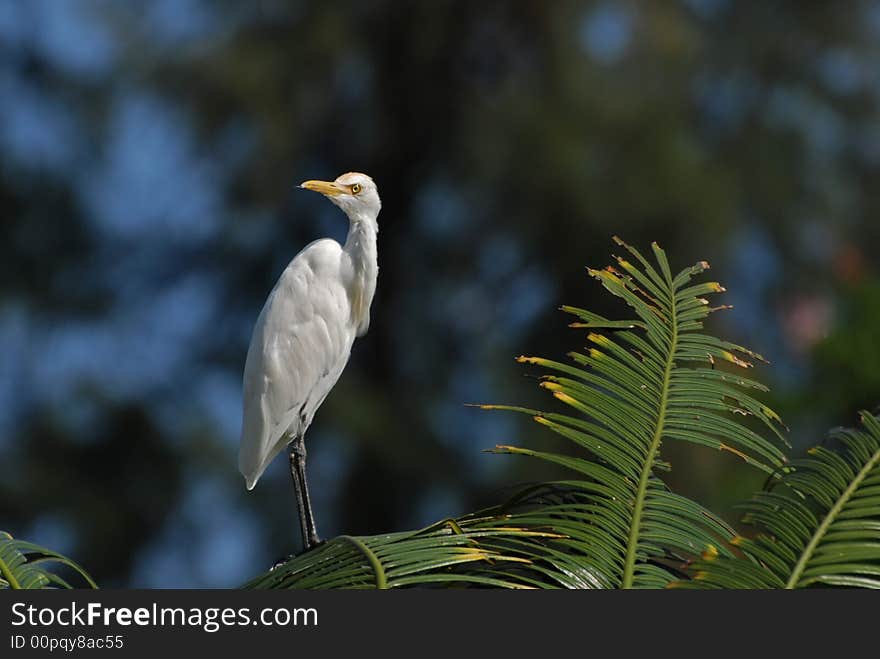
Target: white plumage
{"points": [[303, 337]]}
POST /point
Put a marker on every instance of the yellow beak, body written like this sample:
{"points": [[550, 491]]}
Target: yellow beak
{"points": [[328, 188]]}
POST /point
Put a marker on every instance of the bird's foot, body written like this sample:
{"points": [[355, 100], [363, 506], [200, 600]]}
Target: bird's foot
{"points": [[314, 544]]}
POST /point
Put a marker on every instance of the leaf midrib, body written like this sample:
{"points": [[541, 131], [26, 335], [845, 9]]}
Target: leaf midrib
{"points": [[829, 519], [7, 573], [375, 563], [648, 467]]}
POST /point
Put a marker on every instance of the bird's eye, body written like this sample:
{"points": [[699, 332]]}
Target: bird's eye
{"points": [[355, 188]]}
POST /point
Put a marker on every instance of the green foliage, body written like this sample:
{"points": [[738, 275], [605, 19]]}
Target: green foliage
{"points": [[451, 552], [640, 382], [23, 565], [818, 524]]}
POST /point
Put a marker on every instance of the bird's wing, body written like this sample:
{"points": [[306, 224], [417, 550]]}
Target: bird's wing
{"points": [[301, 343]]}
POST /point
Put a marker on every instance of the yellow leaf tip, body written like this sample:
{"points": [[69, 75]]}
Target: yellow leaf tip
{"points": [[724, 447], [565, 398], [729, 356], [599, 339]]}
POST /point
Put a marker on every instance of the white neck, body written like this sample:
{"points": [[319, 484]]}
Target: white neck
{"points": [[360, 244]]}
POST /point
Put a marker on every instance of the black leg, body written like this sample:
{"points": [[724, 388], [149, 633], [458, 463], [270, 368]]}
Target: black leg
{"points": [[301, 487]]}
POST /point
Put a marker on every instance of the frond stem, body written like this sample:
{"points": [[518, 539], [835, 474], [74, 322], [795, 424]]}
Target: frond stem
{"points": [[375, 563], [7, 574], [648, 467]]}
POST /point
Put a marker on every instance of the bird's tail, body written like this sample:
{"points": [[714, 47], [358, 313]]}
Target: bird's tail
{"points": [[252, 462]]}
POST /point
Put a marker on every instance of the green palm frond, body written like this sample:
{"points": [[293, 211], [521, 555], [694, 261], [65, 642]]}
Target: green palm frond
{"points": [[592, 535], [446, 553], [23, 565], [642, 381], [818, 524]]}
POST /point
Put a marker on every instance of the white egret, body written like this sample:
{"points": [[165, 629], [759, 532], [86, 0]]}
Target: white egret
{"points": [[303, 338]]}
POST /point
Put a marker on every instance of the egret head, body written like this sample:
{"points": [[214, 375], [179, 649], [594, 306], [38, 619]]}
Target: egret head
{"points": [[354, 193]]}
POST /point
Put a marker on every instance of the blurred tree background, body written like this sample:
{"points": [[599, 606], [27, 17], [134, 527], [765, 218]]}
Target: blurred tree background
{"points": [[148, 156]]}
